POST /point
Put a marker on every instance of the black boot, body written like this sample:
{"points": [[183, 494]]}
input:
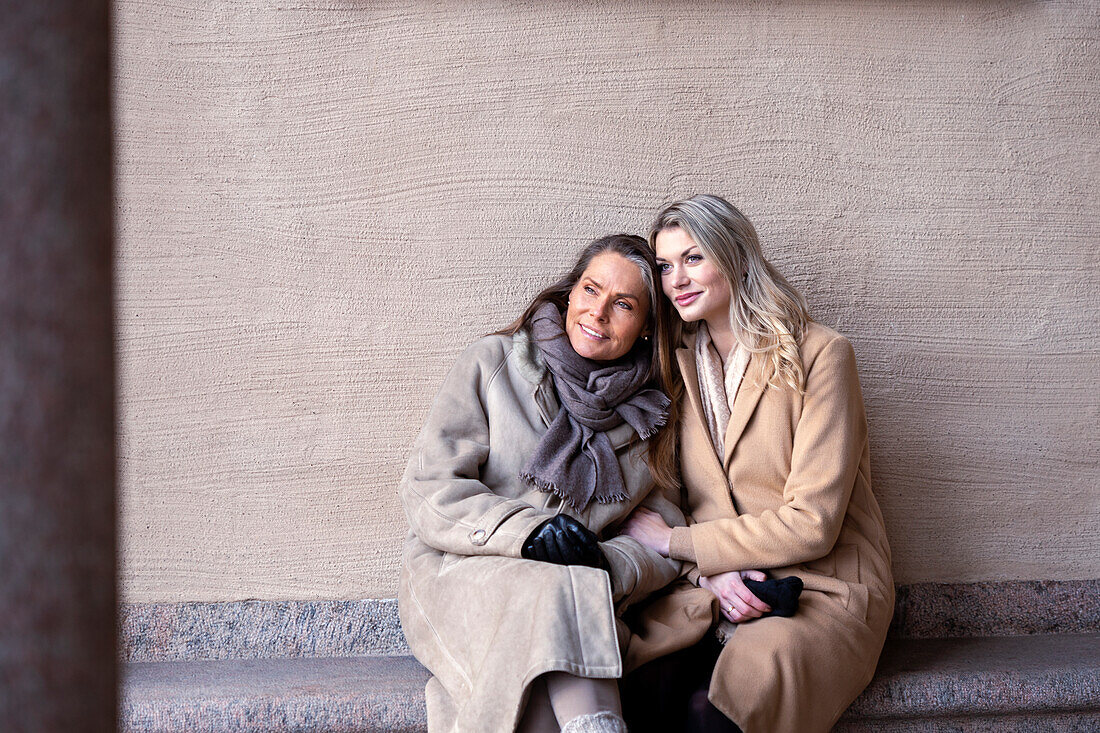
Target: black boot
{"points": [[705, 718]]}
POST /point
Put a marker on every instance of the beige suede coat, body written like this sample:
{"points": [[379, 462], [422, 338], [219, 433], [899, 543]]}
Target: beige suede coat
{"points": [[484, 621], [791, 495]]}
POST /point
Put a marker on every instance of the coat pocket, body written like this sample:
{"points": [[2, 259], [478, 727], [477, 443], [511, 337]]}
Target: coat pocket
{"points": [[838, 576], [848, 570]]}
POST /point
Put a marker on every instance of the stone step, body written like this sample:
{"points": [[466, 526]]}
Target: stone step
{"points": [[1018, 683], [1034, 683], [329, 695]]}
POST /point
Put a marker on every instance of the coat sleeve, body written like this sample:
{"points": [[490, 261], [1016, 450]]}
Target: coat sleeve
{"points": [[447, 505], [828, 444], [636, 570]]}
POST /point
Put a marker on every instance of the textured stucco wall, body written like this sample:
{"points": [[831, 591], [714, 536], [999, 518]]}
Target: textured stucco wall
{"points": [[320, 203]]}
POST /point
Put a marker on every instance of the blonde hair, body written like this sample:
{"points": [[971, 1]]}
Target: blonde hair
{"points": [[767, 314]]}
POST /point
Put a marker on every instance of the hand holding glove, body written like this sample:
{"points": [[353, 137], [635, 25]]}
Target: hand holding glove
{"points": [[750, 594], [563, 540], [782, 594]]}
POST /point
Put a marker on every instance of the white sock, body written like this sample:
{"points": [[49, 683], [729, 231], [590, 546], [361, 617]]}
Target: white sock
{"points": [[605, 722]]}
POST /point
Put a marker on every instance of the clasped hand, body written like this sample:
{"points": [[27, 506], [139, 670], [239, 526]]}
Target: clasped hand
{"points": [[737, 602], [649, 528], [563, 540]]}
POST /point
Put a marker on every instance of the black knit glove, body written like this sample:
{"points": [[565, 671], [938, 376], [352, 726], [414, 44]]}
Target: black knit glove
{"points": [[781, 595], [563, 540]]}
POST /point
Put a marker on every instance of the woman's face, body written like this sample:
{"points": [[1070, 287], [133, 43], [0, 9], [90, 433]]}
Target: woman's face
{"points": [[608, 308], [697, 288]]}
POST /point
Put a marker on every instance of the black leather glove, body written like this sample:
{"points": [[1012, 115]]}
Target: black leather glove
{"points": [[782, 595], [563, 540]]}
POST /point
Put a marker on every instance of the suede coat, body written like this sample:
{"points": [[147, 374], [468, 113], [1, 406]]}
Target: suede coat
{"points": [[792, 496], [484, 621]]}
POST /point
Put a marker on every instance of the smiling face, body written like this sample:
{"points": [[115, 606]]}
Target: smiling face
{"points": [[696, 287], [608, 308]]}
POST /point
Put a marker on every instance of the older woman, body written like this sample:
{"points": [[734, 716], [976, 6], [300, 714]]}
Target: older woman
{"points": [[776, 471], [535, 449]]}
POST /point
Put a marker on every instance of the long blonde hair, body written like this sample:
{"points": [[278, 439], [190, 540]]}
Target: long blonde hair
{"points": [[768, 315]]}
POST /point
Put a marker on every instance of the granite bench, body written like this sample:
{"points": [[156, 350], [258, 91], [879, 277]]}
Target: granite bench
{"points": [[976, 657]]}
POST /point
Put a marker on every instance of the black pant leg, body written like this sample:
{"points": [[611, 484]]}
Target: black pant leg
{"points": [[656, 697], [701, 715]]}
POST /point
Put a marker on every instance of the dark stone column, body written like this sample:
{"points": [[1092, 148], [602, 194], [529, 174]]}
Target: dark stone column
{"points": [[57, 457]]}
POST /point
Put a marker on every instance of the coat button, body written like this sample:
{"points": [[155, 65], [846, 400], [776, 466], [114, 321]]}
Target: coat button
{"points": [[478, 536]]}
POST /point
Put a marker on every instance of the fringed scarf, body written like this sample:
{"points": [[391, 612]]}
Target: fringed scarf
{"points": [[575, 460], [718, 385]]}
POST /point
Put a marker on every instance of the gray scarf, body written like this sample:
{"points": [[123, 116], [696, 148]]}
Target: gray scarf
{"points": [[575, 460]]}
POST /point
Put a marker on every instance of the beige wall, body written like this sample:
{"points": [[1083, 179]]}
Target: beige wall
{"points": [[320, 204]]}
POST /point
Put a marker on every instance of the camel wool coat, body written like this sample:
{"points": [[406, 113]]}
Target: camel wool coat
{"points": [[791, 496], [483, 621]]}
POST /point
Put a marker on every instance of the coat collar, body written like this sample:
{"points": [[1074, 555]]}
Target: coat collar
{"points": [[528, 359], [744, 404]]}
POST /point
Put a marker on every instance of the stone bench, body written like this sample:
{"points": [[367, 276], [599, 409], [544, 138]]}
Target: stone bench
{"points": [[977, 657]]}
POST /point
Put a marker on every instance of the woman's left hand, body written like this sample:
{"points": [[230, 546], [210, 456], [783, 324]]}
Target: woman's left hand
{"points": [[648, 528], [737, 602]]}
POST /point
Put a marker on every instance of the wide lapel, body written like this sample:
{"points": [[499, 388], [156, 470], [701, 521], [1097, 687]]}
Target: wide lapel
{"points": [[685, 357], [696, 434], [744, 405]]}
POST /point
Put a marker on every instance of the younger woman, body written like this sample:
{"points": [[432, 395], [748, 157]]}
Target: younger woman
{"points": [[776, 471]]}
